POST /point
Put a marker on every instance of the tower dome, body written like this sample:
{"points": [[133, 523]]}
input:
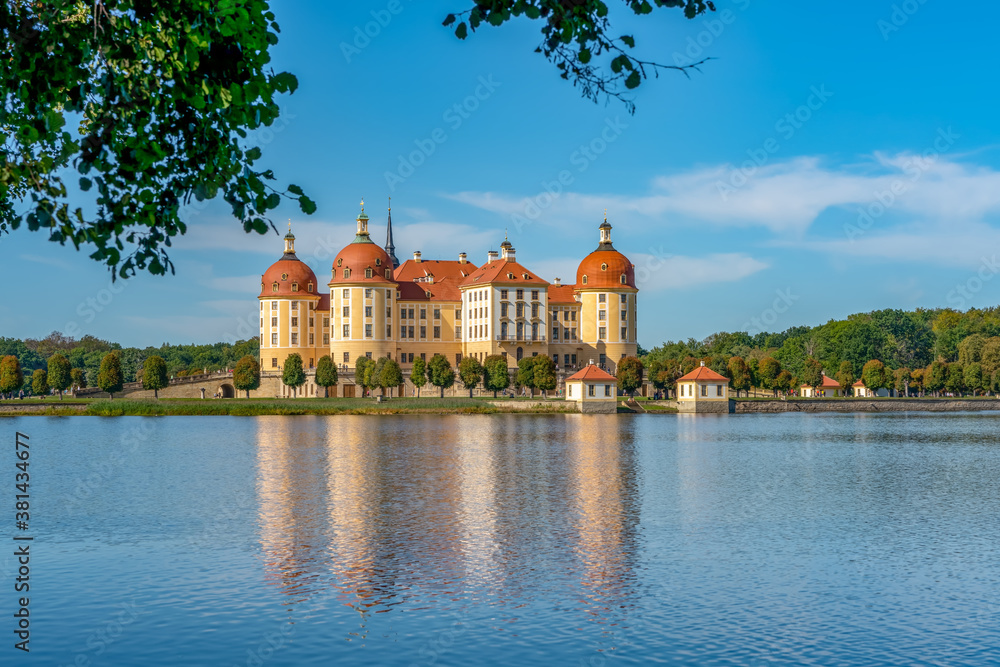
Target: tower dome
{"points": [[289, 276], [362, 260], [605, 267]]}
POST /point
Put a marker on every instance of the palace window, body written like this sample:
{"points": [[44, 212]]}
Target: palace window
{"points": [[584, 279], [309, 287], [534, 310], [520, 309], [520, 294], [295, 321], [411, 314], [347, 311], [274, 340], [503, 294], [388, 313], [346, 294], [437, 313], [368, 311], [590, 390], [555, 336], [295, 305], [295, 339], [423, 332], [572, 336], [326, 322], [274, 321], [274, 305], [458, 333], [326, 339], [340, 261], [310, 323], [368, 292], [503, 309], [402, 313], [347, 331], [604, 267], [410, 329], [602, 298], [503, 331], [607, 390], [274, 362], [347, 357], [284, 276], [368, 272], [622, 279], [388, 331], [624, 333], [378, 261], [572, 316], [274, 287], [624, 315], [295, 287], [534, 331], [437, 333], [423, 313], [402, 332], [602, 333], [602, 315], [368, 331], [458, 313], [534, 295], [347, 273]]}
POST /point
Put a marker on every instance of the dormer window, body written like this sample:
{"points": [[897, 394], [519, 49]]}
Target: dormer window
{"points": [[585, 280], [622, 279], [347, 273], [274, 287], [510, 276], [284, 276], [262, 287], [378, 261], [295, 287], [368, 272], [604, 267], [309, 287], [340, 261], [525, 276], [387, 274]]}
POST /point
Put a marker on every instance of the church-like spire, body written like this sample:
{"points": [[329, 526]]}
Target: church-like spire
{"points": [[390, 247], [289, 241]]}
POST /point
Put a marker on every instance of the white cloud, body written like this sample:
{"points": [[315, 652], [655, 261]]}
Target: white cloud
{"points": [[653, 274]]}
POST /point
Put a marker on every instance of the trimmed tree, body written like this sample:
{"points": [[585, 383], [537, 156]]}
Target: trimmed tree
{"points": [[79, 377], [470, 371], [109, 376], [496, 375], [739, 374], [901, 380], [768, 372], [629, 375], [293, 374], [40, 382], [875, 376], [11, 377], [545, 373], [418, 374], [391, 375], [974, 377], [154, 375], [525, 376], [326, 374], [360, 367], [373, 374], [845, 377], [60, 373], [246, 374], [442, 375]]}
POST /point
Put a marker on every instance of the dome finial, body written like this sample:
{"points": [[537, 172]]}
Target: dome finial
{"points": [[362, 204], [605, 215]]}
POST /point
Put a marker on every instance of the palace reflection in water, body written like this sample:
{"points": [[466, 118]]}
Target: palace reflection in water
{"points": [[426, 510]]}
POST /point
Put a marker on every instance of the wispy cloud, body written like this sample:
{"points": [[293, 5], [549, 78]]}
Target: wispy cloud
{"points": [[49, 261]]}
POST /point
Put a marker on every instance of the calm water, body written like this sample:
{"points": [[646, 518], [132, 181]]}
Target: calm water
{"points": [[569, 539]]}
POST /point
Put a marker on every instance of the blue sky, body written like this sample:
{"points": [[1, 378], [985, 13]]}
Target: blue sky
{"points": [[838, 158]]}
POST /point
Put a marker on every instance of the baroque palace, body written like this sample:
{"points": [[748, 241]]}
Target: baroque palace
{"points": [[374, 305]]}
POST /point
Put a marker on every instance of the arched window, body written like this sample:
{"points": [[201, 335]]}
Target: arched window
{"points": [[347, 273], [604, 267], [309, 288], [520, 353], [368, 272], [585, 280], [388, 273], [274, 287], [622, 279], [295, 287], [262, 289]]}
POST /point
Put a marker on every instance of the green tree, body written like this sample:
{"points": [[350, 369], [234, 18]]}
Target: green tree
{"points": [[326, 373], [155, 105], [373, 374], [845, 377], [40, 383], [768, 372], [995, 383], [154, 375], [361, 365], [970, 349], [990, 355], [936, 376], [917, 381], [629, 374], [812, 373], [579, 40], [784, 381], [470, 371], [418, 374], [955, 383], [60, 373], [391, 375], [442, 375], [545, 373], [11, 377], [496, 375], [109, 377], [739, 373], [901, 381], [875, 376], [293, 374], [79, 378], [246, 374], [974, 377], [526, 372]]}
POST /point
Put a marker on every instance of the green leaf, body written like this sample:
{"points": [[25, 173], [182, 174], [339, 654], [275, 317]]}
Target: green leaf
{"points": [[462, 31], [629, 40], [253, 154], [285, 82], [294, 189], [584, 56], [633, 80], [85, 184], [448, 20], [307, 205]]}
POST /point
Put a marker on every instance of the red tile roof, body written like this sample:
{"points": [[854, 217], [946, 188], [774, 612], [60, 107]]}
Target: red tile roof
{"points": [[859, 383], [504, 272], [592, 373], [828, 383], [411, 269], [561, 293], [444, 290], [702, 373], [324, 302]]}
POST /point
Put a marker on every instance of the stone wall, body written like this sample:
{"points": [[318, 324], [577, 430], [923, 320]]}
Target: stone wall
{"points": [[869, 405], [705, 407]]}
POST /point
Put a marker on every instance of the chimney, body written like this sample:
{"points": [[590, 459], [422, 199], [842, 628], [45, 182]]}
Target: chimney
{"points": [[462, 258], [591, 363], [491, 256], [416, 256], [557, 282]]}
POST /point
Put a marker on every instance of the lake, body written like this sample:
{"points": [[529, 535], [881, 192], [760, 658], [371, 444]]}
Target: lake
{"points": [[784, 539]]}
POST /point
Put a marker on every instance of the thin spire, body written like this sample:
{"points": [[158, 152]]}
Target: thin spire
{"points": [[390, 247]]}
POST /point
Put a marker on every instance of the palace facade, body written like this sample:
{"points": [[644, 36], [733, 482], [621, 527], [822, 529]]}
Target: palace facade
{"points": [[375, 306]]}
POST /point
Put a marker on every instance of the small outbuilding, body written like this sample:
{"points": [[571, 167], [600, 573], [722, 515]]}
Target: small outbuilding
{"points": [[829, 388], [861, 391], [703, 390], [594, 390]]}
